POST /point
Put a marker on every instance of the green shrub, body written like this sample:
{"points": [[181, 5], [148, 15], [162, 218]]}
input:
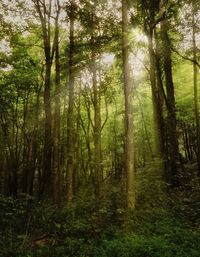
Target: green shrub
{"points": [[84, 231]]}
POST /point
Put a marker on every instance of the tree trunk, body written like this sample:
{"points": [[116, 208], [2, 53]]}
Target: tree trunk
{"points": [[187, 143], [196, 105], [129, 146], [97, 129], [56, 139], [44, 15], [156, 99], [171, 108], [161, 95], [70, 117], [47, 132]]}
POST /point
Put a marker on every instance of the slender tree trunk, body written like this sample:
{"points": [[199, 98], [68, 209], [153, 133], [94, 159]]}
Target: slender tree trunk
{"points": [[86, 129], [70, 117], [146, 134], [97, 116], [145, 131], [34, 148], [16, 152], [196, 105], [129, 146], [171, 107], [156, 99], [187, 144], [160, 95], [26, 150], [44, 15], [78, 144], [56, 150], [97, 129], [48, 130]]}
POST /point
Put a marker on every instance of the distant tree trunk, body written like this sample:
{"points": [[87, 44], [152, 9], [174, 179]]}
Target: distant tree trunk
{"points": [[56, 139], [14, 160], [48, 128], [161, 95], [186, 143], [97, 128], [145, 132], [96, 100], [34, 148], [156, 99], [171, 108], [114, 129], [1, 172], [86, 130], [9, 154], [26, 149], [129, 146], [70, 117], [196, 105], [44, 15], [76, 178]]}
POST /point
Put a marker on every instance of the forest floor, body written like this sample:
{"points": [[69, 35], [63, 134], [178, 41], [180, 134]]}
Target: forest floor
{"points": [[166, 223]]}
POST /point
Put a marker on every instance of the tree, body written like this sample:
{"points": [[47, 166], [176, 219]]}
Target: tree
{"points": [[149, 12], [171, 105], [56, 138], [20, 92], [44, 11], [195, 70], [71, 99], [129, 146]]}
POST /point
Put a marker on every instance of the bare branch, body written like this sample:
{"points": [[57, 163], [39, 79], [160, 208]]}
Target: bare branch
{"points": [[106, 119], [185, 57]]}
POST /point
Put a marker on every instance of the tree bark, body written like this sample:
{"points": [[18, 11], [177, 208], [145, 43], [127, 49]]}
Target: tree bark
{"points": [[70, 117], [196, 105], [97, 128], [156, 99], [56, 139], [44, 16], [129, 146], [34, 148], [171, 106]]}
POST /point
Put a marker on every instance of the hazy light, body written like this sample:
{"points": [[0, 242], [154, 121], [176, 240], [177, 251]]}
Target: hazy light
{"points": [[5, 46], [136, 61], [86, 78], [7, 68], [137, 57], [108, 58], [139, 37]]}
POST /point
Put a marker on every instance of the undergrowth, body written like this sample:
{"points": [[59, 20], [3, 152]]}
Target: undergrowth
{"points": [[162, 226]]}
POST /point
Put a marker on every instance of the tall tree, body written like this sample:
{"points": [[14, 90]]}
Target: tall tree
{"points": [[71, 99], [171, 105], [44, 11], [129, 145], [149, 11], [56, 139], [196, 104], [97, 114]]}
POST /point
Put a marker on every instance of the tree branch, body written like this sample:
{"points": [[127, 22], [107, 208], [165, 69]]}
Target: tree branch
{"points": [[185, 57]]}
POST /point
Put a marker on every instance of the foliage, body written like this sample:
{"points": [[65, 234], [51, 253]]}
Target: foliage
{"points": [[29, 228], [82, 231]]}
